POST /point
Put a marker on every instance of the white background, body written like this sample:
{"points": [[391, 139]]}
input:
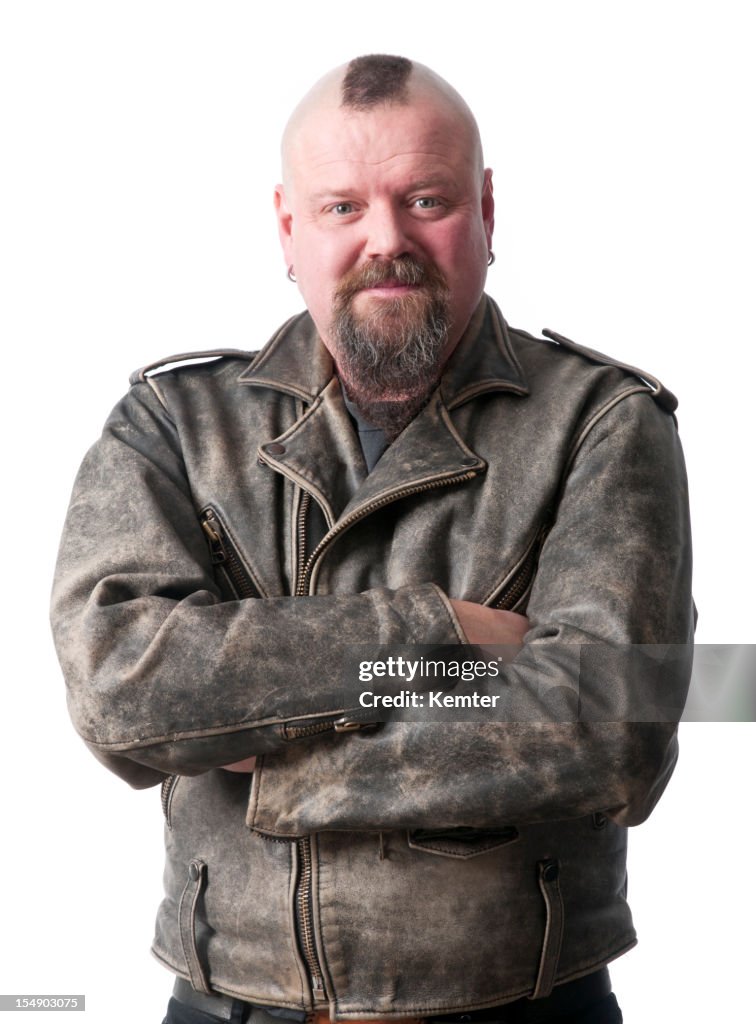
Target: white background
{"points": [[139, 154]]}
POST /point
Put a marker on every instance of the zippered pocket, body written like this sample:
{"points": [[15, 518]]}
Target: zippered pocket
{"points": [[515, 591], [225, 556], [305, 728], [166, 797]]}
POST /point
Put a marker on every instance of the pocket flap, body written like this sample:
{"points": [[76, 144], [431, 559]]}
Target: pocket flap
{"points": [[460, 842]]}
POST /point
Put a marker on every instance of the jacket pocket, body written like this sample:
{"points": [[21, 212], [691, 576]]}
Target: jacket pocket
{"points": [[226, 557], [187, 914], [461, 843], [166, 797], [512, 595], [548, 883]]}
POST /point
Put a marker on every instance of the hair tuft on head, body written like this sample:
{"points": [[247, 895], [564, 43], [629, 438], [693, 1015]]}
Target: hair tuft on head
{"points": [[373, 79]]}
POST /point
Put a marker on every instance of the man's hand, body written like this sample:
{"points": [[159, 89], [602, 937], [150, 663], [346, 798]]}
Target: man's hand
{"points": [[484, 625], [247, 765]]}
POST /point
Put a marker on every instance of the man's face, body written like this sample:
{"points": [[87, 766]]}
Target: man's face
{"points": [[387, 219]]}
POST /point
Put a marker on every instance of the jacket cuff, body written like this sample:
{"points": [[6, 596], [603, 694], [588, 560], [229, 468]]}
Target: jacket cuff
{"points": [[459, 633]]}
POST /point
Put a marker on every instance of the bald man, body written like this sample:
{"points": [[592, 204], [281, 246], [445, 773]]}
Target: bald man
{"points": [[396, 470]]}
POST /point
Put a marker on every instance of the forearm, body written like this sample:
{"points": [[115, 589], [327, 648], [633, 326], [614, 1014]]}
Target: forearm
{"points": [[163, 674], [183, 686], [556, 743]]}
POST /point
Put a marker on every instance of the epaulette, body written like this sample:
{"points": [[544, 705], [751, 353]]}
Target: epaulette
{"points": [[663, 396], [141, 374]]}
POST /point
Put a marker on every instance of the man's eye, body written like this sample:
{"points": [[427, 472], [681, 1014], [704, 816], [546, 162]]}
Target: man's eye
{"points": [[341, 209], [426, 203]]}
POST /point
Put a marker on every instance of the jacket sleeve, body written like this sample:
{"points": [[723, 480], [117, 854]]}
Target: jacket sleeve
{"points": [[163, 675], [590, 703]]}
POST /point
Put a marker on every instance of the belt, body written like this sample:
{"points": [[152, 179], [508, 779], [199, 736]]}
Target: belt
{"points": [[228, 1008], [568, 998]]}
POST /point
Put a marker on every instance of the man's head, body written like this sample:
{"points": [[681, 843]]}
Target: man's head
{"points": [[386, 215]]}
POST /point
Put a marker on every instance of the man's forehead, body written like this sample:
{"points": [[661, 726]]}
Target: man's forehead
{"points": [[429, 117], [386, 136]]}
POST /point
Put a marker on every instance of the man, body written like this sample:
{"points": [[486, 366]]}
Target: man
{"points": [[397, 466]]}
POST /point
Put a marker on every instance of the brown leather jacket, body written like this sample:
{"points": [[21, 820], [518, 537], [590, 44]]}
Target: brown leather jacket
{"points": [[415, 868]]}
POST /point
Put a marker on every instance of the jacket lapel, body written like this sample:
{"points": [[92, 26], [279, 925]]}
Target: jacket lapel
{"points": [[321, 451]]}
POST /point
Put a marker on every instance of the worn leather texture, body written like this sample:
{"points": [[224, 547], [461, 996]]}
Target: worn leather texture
{"points": [[170, 674]]}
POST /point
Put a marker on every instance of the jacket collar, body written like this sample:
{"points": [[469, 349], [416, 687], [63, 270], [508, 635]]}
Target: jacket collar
{"points": [[320, 451], [296, 362]]}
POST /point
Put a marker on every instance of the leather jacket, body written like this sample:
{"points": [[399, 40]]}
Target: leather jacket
{"points": [[414, 868]]}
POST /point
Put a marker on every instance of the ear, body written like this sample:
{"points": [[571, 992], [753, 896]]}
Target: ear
{"points": [[283, 215], [487, 205]]}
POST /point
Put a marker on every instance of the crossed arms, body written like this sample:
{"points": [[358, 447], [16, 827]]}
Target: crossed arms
{"points": [[166, 677]]}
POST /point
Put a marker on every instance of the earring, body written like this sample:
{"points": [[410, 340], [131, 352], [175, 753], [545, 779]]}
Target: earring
{"points": [[491, 257], [291, 275]]}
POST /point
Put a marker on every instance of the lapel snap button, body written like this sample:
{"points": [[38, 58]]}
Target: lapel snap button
{"points": [[550, 871], [275, 448]]}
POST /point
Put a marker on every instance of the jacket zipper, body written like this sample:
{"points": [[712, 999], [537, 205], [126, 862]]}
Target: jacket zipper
{"points": [[166, 792], [520, 583], [304, 508], [304, 845], [305, 926], [305, 574], [225, 555], [299, 732]]}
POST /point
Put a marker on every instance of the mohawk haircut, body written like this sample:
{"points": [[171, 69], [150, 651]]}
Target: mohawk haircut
{"points": [[373, 79]]}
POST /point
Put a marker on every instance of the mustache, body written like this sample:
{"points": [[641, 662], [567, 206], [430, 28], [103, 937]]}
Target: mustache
{"points": [[403, 270]]}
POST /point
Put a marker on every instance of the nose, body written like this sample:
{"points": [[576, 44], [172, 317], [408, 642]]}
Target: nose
{"points": [[387, 235]]}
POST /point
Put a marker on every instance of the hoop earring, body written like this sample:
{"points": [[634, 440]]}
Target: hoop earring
{"points": [[291, 275], [491, 257]]}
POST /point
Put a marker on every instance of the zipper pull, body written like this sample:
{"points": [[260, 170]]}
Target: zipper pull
{"points": [[349, 724], [218, 551]]}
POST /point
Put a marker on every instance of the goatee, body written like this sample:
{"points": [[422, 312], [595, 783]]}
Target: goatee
{"points": [[389, 356]]}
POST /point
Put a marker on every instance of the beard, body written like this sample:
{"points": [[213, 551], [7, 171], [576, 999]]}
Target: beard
{"points": [[389, 357]]}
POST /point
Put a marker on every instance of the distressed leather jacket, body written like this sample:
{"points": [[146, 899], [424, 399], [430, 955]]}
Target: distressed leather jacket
{"points": [[416, 868]]}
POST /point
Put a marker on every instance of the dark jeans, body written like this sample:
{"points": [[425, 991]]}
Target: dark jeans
{"points": [[180, 1013], [605, 1011]]}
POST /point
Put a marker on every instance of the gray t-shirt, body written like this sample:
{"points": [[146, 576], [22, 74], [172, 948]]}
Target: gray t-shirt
{"points": [[372, 439]]}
